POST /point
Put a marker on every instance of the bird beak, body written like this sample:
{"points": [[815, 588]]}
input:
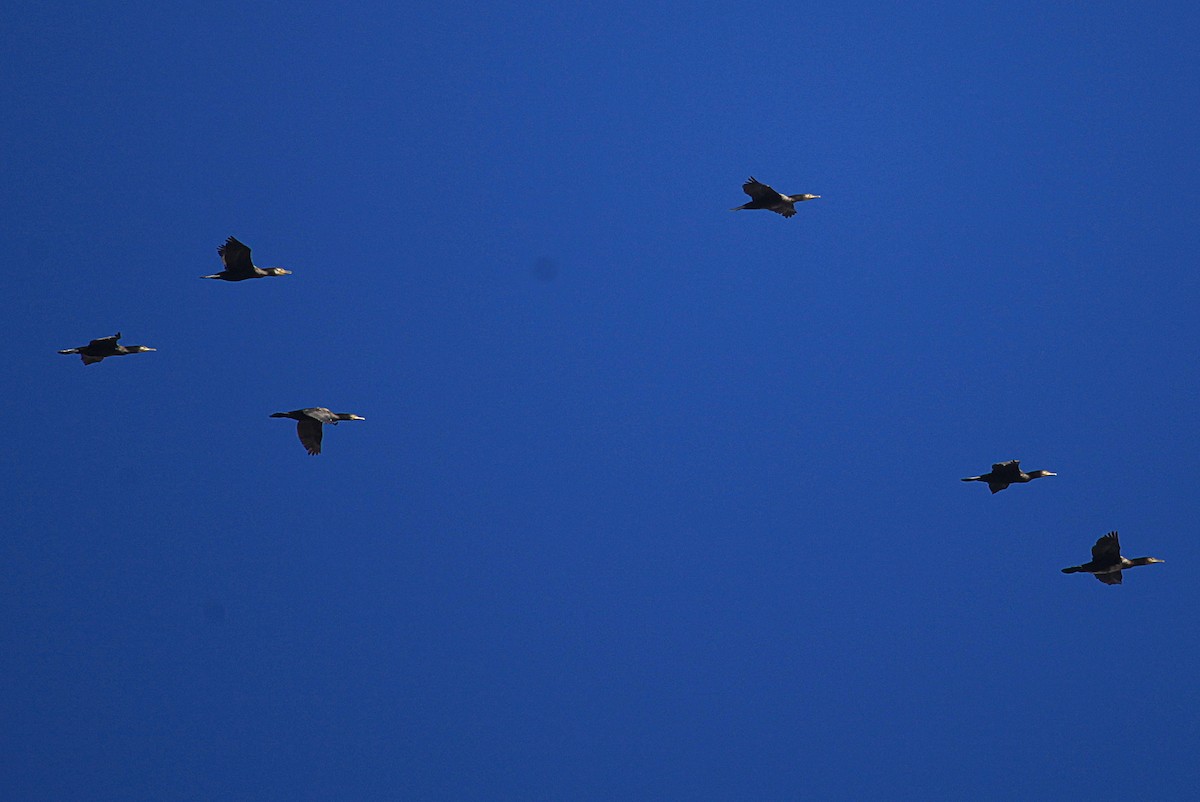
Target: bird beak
{"points": [[1051, 473], [357, 417]]}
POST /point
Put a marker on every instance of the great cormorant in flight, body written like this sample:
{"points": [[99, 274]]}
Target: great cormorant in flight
{"points": [[104, 347], [1008, 473], [309, 424], [763, 197], [238, 267], [1107, 562]]}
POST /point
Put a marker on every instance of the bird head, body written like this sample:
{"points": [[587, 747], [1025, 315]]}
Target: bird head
{"points": [[805, 197], [1039, 474], [278, 271], [141, 348]]}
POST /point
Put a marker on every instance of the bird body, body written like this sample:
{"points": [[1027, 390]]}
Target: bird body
{"points": [[238, 265], [1107, 562], [764, 197], [1008, 473], [309, 424], [103, 347]]}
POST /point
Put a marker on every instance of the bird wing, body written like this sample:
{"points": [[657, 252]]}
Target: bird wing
{"points": [[88, 359], [235, 256], [105, 342], [310, 435], [1107, 549], [1007, 469], [996, 487], [760, 191], [785, 209], [1113, 578]]}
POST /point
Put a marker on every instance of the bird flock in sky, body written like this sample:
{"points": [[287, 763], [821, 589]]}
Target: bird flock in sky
{"points": [[1106, 563], [235, 256]]}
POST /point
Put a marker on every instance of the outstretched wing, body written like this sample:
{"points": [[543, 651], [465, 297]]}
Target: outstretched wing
{"points": [[1109, 579], [759, 191], [235, 256], [1107, 550], [105, 342], [310, 435]]}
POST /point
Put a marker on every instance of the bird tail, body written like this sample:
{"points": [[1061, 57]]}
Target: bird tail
{"points": [[70, 351], [212, 276], [739, 208], [1074, 569], [972, 478]]}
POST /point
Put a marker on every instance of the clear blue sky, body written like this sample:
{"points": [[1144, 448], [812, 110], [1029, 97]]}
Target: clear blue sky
{"points": [[653, 501]]}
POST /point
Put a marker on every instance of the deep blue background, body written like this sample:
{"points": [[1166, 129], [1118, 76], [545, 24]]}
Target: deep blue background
{"points": [[652, 501]]}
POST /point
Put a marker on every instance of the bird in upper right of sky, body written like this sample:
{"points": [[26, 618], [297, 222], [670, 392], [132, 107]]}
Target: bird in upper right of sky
{"points": [[238, 267], [763, 197], [103, 347], [1107, 562], [1008, 473], [309, 425]]}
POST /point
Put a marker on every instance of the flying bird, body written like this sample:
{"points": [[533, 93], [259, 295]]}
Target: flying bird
{"points": [[1107, 562], [97, 350], [1008, 473], [309, 424], [238, 267], [763, 197]]}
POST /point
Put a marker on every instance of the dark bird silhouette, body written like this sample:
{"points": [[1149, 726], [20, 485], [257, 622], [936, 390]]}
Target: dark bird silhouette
{"points": [[309, 424], [238, 267], [97, 350], [763, 197], [1008, 473], [1107, 562]]}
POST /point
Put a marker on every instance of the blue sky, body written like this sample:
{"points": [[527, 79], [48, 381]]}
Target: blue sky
{"points": [[652, 501]]}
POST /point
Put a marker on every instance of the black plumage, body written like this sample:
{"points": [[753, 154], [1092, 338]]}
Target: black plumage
{"points": [[1107, 562], [764, 197], [1008, 473], [104, 347], [238, 265], [309, 424]]}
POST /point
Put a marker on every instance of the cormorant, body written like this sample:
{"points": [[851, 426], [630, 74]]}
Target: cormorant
{"points": [[1107, 562], [309, 426], [763, 197], [1007, 473], [238, 267], [97, 350]]}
